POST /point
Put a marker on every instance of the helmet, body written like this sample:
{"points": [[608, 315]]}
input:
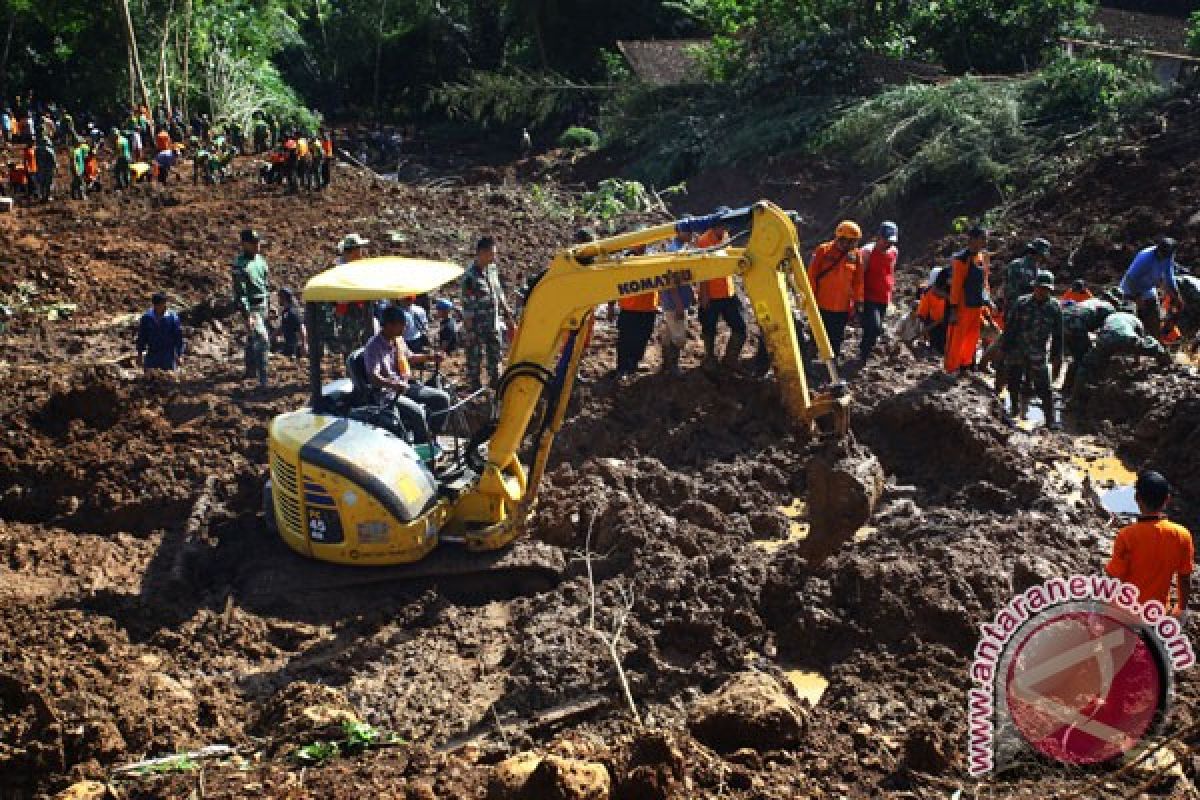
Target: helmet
{"points": [[1045, 278], [442, 304], [849, 230], [1040, 246]]}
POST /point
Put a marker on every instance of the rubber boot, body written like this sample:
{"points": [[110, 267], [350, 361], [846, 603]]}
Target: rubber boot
{"points": [[710, 352], [733, 349], [1051, 413]]}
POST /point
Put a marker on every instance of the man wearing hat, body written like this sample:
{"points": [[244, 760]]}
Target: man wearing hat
{"points": [[836, 276], [1151, 268], [879, 279], [251, 295], [1021, 273], [159, 337], [1034, 322], [1154, 552], [483, 302], [351, 248], [1080, 321], [355, 322]]}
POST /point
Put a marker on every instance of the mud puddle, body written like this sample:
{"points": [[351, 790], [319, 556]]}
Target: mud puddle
{"points": [[798, 526], [1098, 476]]}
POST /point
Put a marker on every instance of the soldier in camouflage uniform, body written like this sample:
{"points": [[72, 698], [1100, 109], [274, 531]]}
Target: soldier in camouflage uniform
{"points": [[1080, 321], [1021, 273], [353, 323], [1122, 334], [1033, 322], [483, 300], [252, 297]]}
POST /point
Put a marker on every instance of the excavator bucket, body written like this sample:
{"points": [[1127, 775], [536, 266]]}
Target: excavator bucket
{"points": [[845, 483]]}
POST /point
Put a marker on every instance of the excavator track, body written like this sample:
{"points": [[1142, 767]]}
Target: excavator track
{"points": [[525, 567]]}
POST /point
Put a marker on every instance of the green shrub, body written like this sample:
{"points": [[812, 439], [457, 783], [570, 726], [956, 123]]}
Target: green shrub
{"points": [[1193, 34], [947, 140], [1086, 89], [578, 138]]}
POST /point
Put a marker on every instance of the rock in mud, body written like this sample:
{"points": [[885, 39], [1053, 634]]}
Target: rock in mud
{"points": [[529, 776], [509, 777], [844, 484], [750, 710], [85, 790]]}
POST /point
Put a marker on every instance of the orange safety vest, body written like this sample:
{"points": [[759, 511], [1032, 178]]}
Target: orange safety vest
{"points": [[836, 277], [718, 288], [639, 302], [163, 141], [327, 146], [30, 157]]}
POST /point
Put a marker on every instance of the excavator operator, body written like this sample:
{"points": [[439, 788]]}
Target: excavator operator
{"points": [[387, 360]]}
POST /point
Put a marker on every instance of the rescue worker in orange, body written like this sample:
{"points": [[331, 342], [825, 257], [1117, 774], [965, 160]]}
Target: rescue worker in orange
{"points": [[969, 296], [836, 275], [932, 311], [1154, 552], [29, 161], [327, 160], [719, 300]]}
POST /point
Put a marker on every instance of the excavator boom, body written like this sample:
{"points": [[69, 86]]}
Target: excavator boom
{"points": [[546, 352]]}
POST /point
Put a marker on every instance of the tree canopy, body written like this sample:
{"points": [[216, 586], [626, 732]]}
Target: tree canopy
{"points": [[395, 56]]}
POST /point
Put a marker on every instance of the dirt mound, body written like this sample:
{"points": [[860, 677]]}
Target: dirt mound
{"points": [[1144, 185]]}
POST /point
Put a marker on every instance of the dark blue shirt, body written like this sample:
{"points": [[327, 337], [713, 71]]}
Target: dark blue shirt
{"points": [[161, 339]]}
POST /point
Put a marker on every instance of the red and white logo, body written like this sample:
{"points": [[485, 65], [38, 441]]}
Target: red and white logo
{"points": [[1084, 687]]}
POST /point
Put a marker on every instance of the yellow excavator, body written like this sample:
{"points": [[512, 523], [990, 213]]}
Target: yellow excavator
{"points": [[349, 490]]}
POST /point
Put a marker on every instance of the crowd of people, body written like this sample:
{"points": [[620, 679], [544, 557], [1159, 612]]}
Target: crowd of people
{"points": [[1024, 332], [38, 141]]}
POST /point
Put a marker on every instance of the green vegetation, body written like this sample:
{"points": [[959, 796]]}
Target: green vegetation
{"points": [[951, 140], [356, 737], [170, 766], [614, 197], [1193, 33], [579, 138]]}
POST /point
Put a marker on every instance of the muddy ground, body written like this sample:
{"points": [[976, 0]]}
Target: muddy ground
{"points": [[145, 610]]}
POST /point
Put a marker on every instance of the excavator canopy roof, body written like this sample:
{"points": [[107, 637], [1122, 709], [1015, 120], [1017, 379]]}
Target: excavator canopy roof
{"points": [[379, 278]]}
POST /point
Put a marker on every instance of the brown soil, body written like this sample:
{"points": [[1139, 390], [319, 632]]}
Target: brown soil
{"points": [[131, 543]]}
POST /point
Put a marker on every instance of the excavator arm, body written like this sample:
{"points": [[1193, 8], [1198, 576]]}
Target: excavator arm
{"points": [[556, 326]]}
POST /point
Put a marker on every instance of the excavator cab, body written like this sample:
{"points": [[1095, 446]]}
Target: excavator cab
{"points": [[348, 490]]}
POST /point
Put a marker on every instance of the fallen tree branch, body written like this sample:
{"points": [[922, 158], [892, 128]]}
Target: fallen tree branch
{"points": [[204, 753]]}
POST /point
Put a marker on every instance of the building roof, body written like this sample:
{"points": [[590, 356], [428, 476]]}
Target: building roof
{"points": [[664, 62], [1153, 31]]}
